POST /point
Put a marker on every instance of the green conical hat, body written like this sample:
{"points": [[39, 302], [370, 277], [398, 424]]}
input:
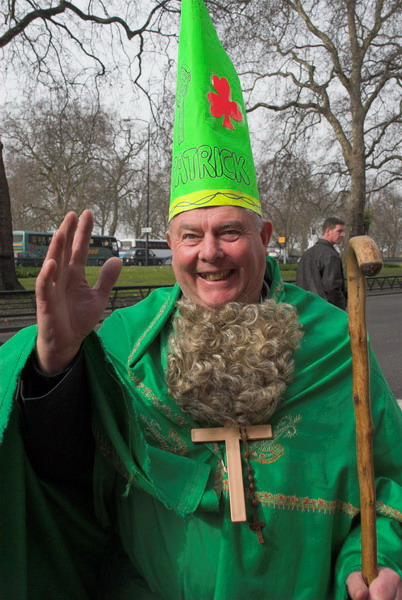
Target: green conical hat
{"points": [[212, 159]]}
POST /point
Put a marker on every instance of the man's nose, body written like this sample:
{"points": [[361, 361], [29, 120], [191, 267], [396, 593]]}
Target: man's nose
{"points": [[211, 249]]}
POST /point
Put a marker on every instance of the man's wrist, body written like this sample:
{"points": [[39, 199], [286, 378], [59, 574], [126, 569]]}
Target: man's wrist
{"points": [[34, 384], [59, 373], [51, 364]]}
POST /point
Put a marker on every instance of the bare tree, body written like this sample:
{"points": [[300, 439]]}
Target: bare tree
{"points": [[60, 45], [53, 149], [137, 213], [335, 68], [119, 173], [68, 156], [8, 279], [295, 199], [56, 41], [386, 221]]}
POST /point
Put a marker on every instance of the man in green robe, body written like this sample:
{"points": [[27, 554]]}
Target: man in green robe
{"points": [[164, 498], [106, 495]]}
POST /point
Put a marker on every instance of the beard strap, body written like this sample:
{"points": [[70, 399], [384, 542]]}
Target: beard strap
{"points": [[255, 524]]}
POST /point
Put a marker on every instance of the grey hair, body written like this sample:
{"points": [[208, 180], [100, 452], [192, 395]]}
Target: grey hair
{"points": [[257, 218]]}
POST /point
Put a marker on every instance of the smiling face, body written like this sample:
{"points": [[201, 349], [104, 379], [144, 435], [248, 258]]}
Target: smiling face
{"points": [[219, 254]]}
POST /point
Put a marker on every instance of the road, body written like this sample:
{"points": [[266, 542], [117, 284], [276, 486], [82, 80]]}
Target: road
{"points": [[384, 324]]}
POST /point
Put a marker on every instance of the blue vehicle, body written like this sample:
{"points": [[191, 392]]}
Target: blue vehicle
{"points": [[30, 248]]}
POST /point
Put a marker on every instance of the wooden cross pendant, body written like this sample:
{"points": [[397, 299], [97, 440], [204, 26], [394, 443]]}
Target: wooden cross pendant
{"points": [[232, 436]]}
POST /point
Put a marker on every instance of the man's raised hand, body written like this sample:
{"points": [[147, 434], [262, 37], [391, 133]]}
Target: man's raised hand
{"points": [[67, 307]]}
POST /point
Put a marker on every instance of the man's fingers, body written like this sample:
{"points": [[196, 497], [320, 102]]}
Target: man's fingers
{"points": [[387, 586], [108, 276], [68, 228], [357, 589], [44, 281], [55, 248], [58, 246], [82, 239]]}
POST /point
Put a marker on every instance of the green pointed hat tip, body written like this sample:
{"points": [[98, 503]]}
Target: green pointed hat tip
{"points": [[212, 160]]}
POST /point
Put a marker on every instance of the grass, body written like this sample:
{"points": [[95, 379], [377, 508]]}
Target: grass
{"points": [[159, 275], [128, 276]]}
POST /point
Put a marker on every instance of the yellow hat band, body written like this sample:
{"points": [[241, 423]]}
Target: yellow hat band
{"points": [[206, 198]]}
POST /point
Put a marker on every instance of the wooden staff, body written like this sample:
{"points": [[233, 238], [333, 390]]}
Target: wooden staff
{"points": [[363, 259]]}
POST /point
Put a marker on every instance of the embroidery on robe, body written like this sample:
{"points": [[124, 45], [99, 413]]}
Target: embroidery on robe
{"points": [[148, 394], [150, 326], [307, 504], [278, 290], [388, 511], [218, 484], [221, 485], [106, 449], [269, 451], [173, 443], [177, 418]]}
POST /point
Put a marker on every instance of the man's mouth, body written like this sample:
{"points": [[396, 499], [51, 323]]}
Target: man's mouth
{"points": [[221, 276]]}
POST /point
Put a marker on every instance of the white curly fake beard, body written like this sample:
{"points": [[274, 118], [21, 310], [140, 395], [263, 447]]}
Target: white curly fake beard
{"points": [[231, 366]]}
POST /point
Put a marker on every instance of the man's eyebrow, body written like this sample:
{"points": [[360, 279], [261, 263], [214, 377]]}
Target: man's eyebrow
{"points": [[185, 227], [236, 224]]}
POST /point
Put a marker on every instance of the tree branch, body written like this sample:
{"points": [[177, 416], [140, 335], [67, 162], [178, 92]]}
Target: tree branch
{"points": [[43, 13], [48, 13], [328, 43]]}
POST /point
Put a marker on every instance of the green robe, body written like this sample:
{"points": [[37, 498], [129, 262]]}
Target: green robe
{"points": [[167, 498]]}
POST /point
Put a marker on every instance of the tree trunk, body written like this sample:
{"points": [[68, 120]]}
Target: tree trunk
{"points": [[357, 197], [357, 201], [8, 277]]}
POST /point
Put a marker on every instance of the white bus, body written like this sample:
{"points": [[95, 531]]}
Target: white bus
{"points": [[160, 247]]}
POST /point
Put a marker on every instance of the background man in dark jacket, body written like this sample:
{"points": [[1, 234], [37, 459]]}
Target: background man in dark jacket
{"points": [[320, 268]]}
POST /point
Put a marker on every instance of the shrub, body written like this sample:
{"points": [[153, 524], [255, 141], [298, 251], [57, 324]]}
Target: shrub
{"points": [[24, 272]]}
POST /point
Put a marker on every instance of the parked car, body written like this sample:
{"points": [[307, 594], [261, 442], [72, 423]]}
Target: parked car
{"points": [[167, 260], [137, 257], [28, 259]]}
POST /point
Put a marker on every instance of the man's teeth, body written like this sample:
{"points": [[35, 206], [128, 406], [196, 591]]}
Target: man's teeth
{"points": [[216, 276]]}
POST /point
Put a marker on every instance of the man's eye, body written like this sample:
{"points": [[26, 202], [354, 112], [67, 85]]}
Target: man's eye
{"points": [[189, 236], [230, 233]]}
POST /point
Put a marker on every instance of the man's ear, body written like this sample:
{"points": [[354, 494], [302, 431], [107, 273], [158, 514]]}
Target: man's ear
{"points": [[266, 232], [168, 239]]}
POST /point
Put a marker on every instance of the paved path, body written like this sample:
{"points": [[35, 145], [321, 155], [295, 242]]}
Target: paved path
{"points": [[384, 324]]}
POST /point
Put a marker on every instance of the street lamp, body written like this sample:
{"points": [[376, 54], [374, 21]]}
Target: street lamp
{"points": [[283, 245], [147, 221], [147, 229]]}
